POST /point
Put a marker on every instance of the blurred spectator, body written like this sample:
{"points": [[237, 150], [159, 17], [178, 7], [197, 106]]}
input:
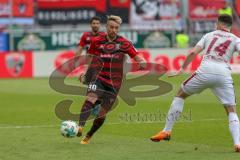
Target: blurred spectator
{"points": [[227, 9], [182, 40]]}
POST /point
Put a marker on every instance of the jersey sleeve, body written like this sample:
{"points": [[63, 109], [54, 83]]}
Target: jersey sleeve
{"points": [[202, 42], [237, 47], [82, 42], [131, 51]]}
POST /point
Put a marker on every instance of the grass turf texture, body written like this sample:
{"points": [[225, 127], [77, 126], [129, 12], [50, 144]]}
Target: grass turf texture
{"points": [[29, 128]]}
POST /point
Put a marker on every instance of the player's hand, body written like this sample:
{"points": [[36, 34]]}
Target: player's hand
{"points": [[82, 77], [179, 72]]}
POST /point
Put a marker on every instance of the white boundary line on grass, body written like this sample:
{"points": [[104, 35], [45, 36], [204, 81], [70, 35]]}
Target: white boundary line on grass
{"points": [[117, 123], [22, 127]]}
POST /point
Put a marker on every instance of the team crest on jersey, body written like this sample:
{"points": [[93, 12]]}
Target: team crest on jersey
{"points": [[110, 47], [14, 63]]}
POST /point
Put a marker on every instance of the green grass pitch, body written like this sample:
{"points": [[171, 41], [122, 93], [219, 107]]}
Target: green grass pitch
{"points": [[29, 128]]}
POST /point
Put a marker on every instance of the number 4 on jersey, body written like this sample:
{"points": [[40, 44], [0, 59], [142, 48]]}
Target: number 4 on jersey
{"points": [[221, 48]]}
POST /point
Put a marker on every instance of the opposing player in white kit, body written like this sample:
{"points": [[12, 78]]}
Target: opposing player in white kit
{"points": [[214, 73]]}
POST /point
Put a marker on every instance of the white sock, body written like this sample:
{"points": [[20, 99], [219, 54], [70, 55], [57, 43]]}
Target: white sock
{"points": [[234, 127], [174, 113]]}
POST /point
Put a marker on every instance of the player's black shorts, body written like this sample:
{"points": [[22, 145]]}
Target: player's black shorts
{"points": [[107, 94], [90, 76]]}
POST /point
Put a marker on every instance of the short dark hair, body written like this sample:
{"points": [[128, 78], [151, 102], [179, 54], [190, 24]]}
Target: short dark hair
{"points": [[96, 18], [225, 19]]}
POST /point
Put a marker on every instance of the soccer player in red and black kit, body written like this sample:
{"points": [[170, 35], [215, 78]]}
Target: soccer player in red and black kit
{"points": [[111, 50], [85, 41]]}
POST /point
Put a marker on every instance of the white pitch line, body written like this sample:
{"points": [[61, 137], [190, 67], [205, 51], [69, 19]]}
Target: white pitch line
{"points": [[23, 127], [116, 123]]}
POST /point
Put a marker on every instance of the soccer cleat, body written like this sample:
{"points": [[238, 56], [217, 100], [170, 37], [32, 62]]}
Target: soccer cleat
{"points": [[237, 148], [163, 135], [80, 130], [85, 140]]}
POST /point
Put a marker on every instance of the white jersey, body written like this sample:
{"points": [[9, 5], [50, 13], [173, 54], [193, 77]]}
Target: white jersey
{"points": [[218, 47]]}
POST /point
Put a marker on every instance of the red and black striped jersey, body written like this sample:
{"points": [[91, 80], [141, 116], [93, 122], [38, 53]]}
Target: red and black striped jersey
{"points": [[112, 55], [87, 37]]}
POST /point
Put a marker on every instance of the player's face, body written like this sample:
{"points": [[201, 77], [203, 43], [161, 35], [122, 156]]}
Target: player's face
{"points": [[112, 28], [95, 25]]}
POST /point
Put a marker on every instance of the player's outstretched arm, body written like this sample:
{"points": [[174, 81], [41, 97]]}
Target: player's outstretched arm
{"points": [[192, 54], [141, 62]]}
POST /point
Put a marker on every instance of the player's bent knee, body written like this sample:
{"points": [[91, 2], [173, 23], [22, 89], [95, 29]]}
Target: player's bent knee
{"points": [[92, 98], [182, 94], [230, 108]]}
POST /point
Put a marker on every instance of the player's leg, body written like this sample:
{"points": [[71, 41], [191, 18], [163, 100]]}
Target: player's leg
{"points": [[108, 102], [234, 127], [225, 93], [86, 108], [175, 110], [190, 86], [93, 95], [96, 108], [90, 78], [97, 123], [172, 116], [86, 111]]}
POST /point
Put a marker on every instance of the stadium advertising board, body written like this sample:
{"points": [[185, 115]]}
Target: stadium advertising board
{"points": [[204, 9], [238, 6], [16, 65], [202, 26], [159, 14], [76, 11], [20, 12], [154, 39], [43, 63], [46, 40], [46, 62], [202, 15]]}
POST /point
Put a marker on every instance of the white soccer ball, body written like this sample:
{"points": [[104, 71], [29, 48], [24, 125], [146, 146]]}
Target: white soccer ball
{"points": [[69, 129]]}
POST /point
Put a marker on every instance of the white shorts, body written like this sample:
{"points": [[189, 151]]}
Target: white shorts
{"points": [[220, 85]]}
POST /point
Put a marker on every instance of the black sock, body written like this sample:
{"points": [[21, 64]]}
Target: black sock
{"points": [[85, 112], [97, 123]]}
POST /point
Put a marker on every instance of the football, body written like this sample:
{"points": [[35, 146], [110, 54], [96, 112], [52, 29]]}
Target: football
{"points": [[69, 129]]}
